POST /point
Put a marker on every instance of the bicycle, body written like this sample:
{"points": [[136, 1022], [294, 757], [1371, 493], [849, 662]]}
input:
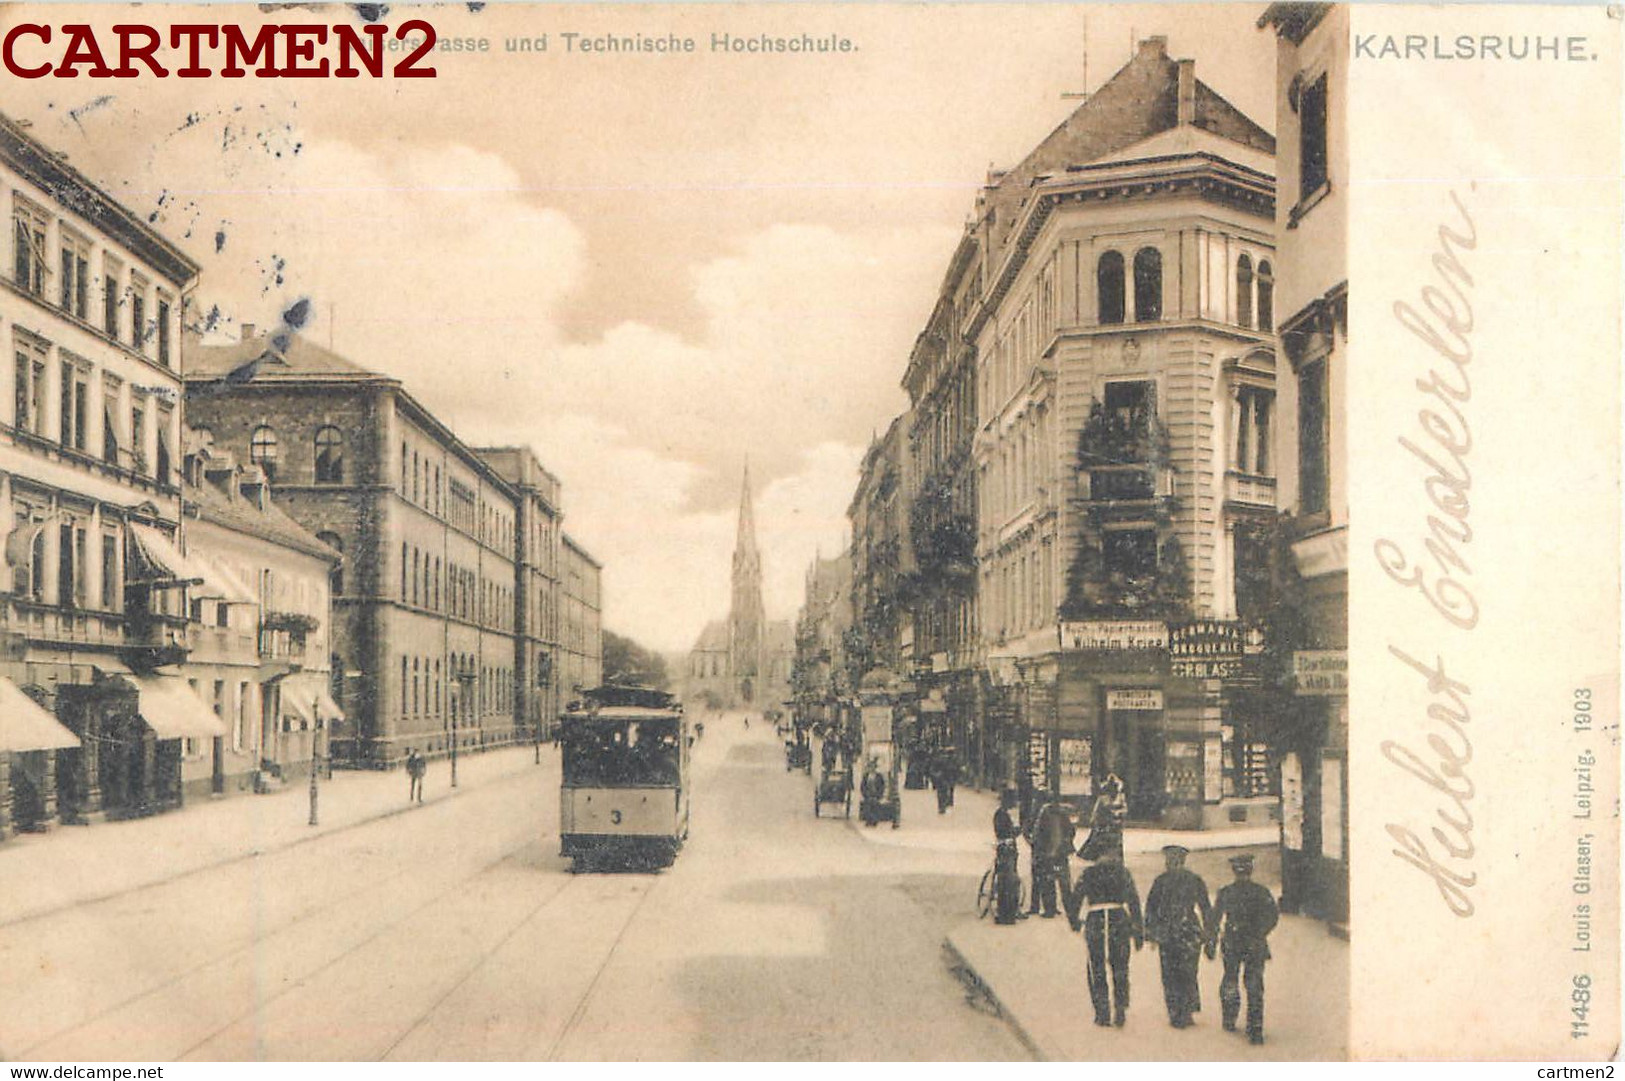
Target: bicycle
{"points": [[986, 895]]}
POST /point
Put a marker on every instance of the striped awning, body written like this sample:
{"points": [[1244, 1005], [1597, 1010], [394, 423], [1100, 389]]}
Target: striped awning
{"points": [[25, 725], [173, 711]]}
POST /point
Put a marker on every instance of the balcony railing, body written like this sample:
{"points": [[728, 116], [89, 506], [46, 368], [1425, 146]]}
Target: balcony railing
{"points": [[42, 622], [1249, 488]]}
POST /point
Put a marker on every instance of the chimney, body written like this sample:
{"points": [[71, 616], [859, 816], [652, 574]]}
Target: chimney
{"points": [[1154, 47], [1187, 91], [248, 331]]}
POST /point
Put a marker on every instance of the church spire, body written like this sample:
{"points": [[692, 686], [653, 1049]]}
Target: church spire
{"points": [[746, 540]]}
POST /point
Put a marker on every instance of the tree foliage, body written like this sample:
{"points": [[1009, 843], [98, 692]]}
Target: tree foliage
{"points": [[627, 663]]}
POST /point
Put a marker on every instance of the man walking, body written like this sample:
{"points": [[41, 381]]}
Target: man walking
{"points": [[1177, 914], [1053, 835], [414, 774], [1106, 905], [1243, 916]]}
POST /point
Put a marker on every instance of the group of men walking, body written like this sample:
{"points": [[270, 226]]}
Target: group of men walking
{"points": [[1105, 905]]}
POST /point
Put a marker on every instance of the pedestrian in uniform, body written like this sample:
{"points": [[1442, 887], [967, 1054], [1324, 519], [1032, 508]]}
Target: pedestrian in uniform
{"points": [[1243, 916], [1053, 835], [1006, 874], [1106, 906], [1177, 915]]}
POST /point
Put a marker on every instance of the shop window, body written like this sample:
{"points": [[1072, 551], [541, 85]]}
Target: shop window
{"points": [[1147, 285], [329, 455]]}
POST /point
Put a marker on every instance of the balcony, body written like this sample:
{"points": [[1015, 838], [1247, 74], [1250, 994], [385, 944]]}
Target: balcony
{"points": [[1249, 489], [49, 624], [154, 640]]}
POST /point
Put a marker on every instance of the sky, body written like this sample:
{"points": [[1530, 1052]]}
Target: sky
{"points": [[648, 267]]}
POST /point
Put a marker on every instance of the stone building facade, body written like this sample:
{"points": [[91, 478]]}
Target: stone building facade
{"points": [[424, 624], [581, 629], [538, 589]]}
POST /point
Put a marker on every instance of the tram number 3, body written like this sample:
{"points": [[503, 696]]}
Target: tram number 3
{"points": [[615, 817]]}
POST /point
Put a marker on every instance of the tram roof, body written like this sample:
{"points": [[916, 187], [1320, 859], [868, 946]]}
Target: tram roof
{"points": [[625, 713]]}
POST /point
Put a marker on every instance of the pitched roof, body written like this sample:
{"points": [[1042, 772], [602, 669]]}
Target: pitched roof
{"points": [[1139, 101], [244, 515], [267, 355]]}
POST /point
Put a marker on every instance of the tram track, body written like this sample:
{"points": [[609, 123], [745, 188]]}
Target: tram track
{"points": [[67, 1041]]}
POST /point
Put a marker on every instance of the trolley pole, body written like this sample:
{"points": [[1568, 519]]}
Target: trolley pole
{"points": [[315, 758]]}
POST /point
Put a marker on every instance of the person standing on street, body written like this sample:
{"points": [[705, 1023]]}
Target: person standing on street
{"points": [[1053, 834], [1109, 922], [1006, 873], [1243, 916], [414, 774], [1177, 914], [944, 775]]}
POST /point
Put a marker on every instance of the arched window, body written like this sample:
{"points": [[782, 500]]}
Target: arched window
{"points": [[1109, 282], [262, 450], [1244, 291], [329, 455], [1266, 296], [1147, 285], [335, 577]]}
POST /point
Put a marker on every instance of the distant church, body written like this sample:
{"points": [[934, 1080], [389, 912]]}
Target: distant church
{"points": [[743, 661]]}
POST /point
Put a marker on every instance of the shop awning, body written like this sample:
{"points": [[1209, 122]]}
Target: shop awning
{"points": [[157, 561], [305, 698], [25, 725], [173, 711], [163, 563], [218, 582]]}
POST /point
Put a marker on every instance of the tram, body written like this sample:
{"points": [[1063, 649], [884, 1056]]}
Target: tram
{"points": [[624, 795]]}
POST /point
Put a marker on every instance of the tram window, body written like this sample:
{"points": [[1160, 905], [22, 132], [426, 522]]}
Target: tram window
{"points": [[627, 753]]}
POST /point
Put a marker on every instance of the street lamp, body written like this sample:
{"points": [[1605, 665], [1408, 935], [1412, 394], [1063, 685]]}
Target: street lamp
{"points": [[315, 757], [465, 681]]}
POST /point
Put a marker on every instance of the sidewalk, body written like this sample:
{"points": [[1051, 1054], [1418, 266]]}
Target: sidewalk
{"points": [[1036, 971], [71, 865], [968, 827]]}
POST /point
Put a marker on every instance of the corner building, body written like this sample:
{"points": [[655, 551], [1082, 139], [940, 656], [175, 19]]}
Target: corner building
{"points": [[1126, 367], [424, 633]]}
